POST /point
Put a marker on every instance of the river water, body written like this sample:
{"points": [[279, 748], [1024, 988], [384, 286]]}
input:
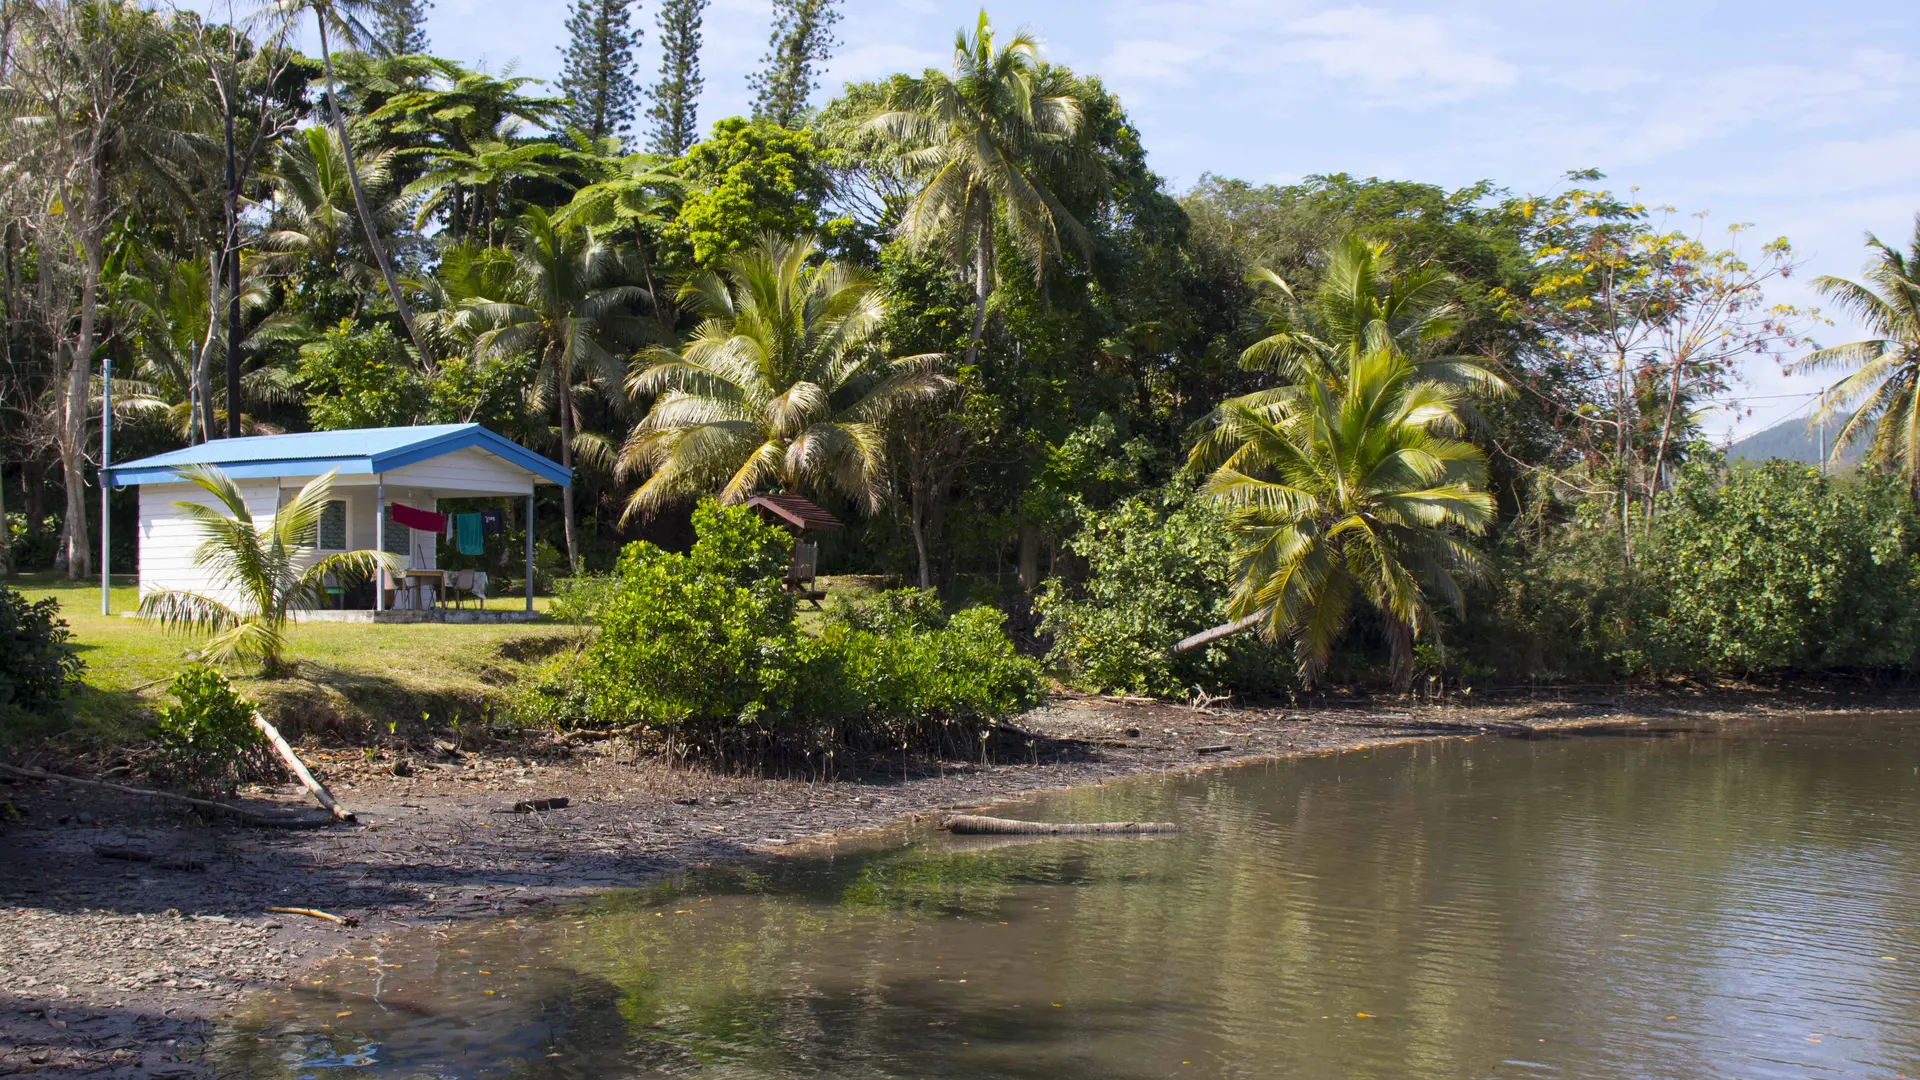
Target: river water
{"points": [[1739, 901]]}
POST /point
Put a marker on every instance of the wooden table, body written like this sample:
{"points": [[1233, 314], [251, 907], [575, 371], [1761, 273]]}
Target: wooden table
{"points": [[417, 584]]}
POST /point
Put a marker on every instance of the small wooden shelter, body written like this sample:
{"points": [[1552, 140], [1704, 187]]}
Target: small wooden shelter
{"points": [[799, 516]]}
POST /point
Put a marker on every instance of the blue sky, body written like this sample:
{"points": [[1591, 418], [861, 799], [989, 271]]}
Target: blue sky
{"points": [[1799, 118]]}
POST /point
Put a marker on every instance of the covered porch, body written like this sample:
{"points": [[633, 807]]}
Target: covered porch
{"points": [[390, 492]]}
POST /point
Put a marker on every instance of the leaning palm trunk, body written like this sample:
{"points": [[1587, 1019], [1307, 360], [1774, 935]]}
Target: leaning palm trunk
{"points": [[565, 379], [360, 200], [259, 563]]}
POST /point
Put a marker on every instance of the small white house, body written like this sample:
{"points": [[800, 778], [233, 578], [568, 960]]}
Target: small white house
{"points": [[374, 470]]}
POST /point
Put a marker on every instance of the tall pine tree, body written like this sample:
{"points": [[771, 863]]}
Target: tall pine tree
{"points": [[400, 26], [676, 96], [802, 40], [600, 75]]}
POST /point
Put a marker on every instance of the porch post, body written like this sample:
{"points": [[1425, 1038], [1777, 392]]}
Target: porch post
{"points": [[529, 552], [379, 540]]}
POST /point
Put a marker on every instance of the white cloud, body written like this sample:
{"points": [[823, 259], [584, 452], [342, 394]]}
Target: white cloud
{"points": [[1162, 62], [1397, 58]]}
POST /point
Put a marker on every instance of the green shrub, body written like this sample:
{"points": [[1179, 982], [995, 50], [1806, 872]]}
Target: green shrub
{"points": [[912, 669], [888, 611], [37, 666], [1780, 568], [706, 647], [206, 742], [702, 643], [360, 378], [1157, 571], [582, 598], [1560, 603]]}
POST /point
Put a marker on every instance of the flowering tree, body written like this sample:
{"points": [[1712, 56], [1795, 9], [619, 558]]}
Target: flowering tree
{"points": [[1645, 323]]}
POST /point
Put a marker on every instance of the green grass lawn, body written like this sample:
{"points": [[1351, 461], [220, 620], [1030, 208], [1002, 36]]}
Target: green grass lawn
{"points": [[350, 677]]}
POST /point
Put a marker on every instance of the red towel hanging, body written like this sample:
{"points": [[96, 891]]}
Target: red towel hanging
{"points": [[424, 520]]}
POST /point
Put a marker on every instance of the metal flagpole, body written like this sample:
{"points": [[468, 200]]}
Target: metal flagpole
{"points": [[106, 489]]}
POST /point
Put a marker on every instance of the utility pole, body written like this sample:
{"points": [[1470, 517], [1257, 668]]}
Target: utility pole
{"points": [[1823, 432]]}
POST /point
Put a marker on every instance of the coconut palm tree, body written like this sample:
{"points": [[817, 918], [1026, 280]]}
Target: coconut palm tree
{"points": [[980, 142], [176, 334], [1362, 303], [314, 216], [342, 17], [564, 304], [784, 383], [1343, 494], [1885, 367], [261, 563]]}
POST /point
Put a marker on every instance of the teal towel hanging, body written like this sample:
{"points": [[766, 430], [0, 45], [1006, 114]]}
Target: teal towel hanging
{"points": [[469, 537]]}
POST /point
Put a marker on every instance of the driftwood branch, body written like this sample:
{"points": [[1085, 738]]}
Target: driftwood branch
{"points": [[975, 825], [312, 913], [248, 816], [299, 769], [1208, 637]]}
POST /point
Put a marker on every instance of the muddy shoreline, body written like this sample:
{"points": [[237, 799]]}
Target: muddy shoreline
{"points": [[117, 966]]}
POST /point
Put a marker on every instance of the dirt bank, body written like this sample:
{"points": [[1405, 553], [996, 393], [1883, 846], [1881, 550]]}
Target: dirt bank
{"points": [[115, 966]]}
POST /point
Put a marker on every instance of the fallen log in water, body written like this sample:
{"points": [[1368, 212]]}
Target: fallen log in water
{"points": [[975, 825]]}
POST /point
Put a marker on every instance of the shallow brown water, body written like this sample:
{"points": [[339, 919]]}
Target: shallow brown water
{"points": [[1738, 902]]}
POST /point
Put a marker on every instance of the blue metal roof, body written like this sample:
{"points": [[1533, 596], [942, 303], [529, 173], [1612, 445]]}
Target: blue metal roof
{"points": [[362, 451]]}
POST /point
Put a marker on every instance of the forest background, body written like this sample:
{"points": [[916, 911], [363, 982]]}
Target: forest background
{"points": [[184, 197]]}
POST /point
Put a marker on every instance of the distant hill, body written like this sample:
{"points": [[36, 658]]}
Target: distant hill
{"points": [[1793, 440]]}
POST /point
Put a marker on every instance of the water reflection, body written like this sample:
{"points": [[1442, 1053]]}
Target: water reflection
{"points": [[1715, 903]]}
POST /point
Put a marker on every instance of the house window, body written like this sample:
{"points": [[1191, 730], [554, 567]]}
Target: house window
{"points": [[398, 541], [333, 526]]}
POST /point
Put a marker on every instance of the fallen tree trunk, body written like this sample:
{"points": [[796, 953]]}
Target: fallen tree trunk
{"points": [[299, 769], [248, 816], [1208, 637], [975, 825]]}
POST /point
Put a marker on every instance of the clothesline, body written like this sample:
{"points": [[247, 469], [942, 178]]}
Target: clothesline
{"points": [[467, 532]]}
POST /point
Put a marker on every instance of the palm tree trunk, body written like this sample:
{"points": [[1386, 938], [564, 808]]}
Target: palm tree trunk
{"points": [[360, 196], [566, 459], [1208, 637], [73, 426], [982, 259], [1400, 637], [1913, 441], [916, 523], [6, 531], [203, 364]]}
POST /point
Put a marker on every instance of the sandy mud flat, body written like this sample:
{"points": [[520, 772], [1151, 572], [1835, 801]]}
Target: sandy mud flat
{"points": [[127, 928]]}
